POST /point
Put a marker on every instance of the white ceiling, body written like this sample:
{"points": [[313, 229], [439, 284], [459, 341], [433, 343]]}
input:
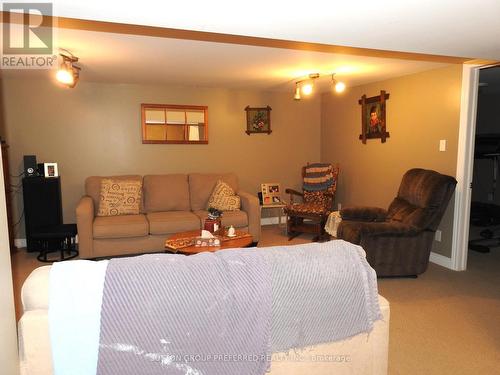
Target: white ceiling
{"points": [[455, 28], [139, 59], [463, 28], [121, 58]]}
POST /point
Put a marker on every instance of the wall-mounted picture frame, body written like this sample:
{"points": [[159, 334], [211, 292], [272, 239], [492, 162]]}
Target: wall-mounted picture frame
{"points": [[50, 170], [258, 120], [373, 117]]}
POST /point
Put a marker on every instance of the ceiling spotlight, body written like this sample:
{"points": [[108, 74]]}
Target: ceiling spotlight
{"points": [[338, 86], [68, 73], [297, 92], [63, 75], [306, 85], [307, 89]]}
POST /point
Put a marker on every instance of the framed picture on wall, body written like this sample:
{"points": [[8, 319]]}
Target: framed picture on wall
{"points": [[50, 170], [258, 120], [373, 117]]}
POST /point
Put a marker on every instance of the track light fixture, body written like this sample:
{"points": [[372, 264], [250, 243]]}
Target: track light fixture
{"points": [[68, 73], [306, 85]]}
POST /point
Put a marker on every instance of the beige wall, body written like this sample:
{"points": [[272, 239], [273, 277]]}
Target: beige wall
{"points": [[94, 129], [423, 108]]}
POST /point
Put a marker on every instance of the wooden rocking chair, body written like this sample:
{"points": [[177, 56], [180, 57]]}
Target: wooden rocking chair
{"points": [[318, 195]]}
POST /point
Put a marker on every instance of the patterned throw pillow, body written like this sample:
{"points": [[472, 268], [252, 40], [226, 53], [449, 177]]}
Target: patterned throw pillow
{"points": [[223, 198], [119, 197]]}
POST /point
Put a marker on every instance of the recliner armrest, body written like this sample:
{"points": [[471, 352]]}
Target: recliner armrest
{"points": [[362, 213], [84, 223], [355, 231], [389, 228], [250, 204]]}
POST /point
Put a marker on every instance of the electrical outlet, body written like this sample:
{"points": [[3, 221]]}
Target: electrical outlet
{"points": [[339, 206], [437, 236]]}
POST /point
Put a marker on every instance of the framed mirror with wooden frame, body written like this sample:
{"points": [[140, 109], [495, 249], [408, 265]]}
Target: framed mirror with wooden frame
{"points": [[176, 124]]}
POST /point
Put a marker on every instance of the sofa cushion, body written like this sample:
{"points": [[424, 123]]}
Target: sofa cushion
{"points": [[93, 187], [168, 192], [223, 198], [238, 219], [120, 226], [202, 185], [119, 197], [172, 222]]}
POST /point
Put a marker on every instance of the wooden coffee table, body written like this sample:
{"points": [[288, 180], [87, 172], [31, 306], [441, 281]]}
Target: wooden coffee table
{"points": [[242, 239]]}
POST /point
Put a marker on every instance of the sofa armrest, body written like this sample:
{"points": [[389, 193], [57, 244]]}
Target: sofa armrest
{"points": [[362, 213], [250, 204], [84, 222]]}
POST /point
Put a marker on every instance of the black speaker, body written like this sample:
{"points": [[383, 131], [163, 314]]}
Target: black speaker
{"points": [[42, 206], [30, 166]]}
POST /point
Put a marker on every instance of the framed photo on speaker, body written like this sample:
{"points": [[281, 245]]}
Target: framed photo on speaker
{"points": [[50, 170]]}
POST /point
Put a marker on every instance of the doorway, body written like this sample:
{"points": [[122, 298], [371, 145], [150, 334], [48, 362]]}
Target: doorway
{"points": [[484, 229], [466, 151]]}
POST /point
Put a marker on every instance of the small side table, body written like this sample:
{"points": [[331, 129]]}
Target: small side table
{"points": [[56, 238], [279, 206]]}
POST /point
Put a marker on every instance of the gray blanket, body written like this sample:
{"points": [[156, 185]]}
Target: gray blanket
{"points": [[224, 313], [321, 293]]}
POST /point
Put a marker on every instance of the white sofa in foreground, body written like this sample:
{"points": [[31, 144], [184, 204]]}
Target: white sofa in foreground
{"points": [[361, 354]]}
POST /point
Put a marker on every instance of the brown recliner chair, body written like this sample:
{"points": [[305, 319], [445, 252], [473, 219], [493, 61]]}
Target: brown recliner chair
{"points": [[398, 241]]}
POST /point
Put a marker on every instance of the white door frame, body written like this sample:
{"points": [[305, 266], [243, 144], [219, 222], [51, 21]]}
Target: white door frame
{"points": [[8, 335], [465, 165]]}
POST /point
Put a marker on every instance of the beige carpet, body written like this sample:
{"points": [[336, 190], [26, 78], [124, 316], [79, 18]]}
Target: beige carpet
{"points": [[444, 322]]}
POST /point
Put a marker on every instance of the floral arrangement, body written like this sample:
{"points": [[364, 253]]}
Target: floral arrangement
{"points": [[259, 121], [214, 213]]}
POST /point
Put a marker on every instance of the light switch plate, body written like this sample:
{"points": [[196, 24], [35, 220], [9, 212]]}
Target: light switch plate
{"points": [[437, 236], [442, 145]]}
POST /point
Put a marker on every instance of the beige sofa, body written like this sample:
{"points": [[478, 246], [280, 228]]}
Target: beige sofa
{"points": [[171, 203], [362, 354]]}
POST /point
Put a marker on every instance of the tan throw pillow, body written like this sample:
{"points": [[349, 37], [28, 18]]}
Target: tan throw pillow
{"points": [[119, 197], [223, 198]]}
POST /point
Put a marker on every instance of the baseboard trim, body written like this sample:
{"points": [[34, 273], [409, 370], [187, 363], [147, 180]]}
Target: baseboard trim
{"points": [[441, 260]]}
